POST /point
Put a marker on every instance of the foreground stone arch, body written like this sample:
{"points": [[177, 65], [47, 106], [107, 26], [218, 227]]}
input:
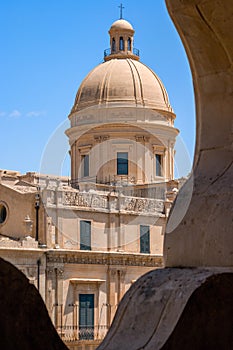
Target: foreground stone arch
{"points": [[154, 313], [25, 322], [204, 237]]}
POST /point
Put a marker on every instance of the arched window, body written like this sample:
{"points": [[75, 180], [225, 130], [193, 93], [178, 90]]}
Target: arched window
{"points": [[121, 44], [129, 44], [113, 45]]}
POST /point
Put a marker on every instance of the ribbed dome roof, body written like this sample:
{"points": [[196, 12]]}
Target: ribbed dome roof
{"points": [[122, 82]]}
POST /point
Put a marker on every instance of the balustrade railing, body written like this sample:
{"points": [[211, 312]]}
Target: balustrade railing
{"points": [[87, 333], [109, 52]]}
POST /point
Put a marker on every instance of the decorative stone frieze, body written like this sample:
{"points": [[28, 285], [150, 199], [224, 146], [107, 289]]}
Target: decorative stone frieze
{"points": [[142, 138], [142, 205], [87, 200], [127, 204], [94, 258], [101, 138]]}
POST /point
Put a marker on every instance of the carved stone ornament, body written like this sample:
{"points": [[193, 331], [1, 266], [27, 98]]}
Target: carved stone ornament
{"points": [[101, 138], [142, 205], [86, 200], [105, 259], [142, 138]]}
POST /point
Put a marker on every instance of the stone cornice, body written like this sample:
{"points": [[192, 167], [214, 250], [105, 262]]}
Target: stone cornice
{"points": [[103, 258], [22, 251]]}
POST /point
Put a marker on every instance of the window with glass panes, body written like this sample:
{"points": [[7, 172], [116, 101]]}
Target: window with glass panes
{"points": [[85, 165], [158, 165], [122, 163], [144, 239]]}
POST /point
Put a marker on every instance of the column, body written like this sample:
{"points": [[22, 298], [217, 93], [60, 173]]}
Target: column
{"points": [[59, 297], [121, 284], [140, 157], [146, 173], [50, 292], [111, 294]]}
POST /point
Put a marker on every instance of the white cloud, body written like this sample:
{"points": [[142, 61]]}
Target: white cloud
{"points": [[35, 113], [15, 114]]}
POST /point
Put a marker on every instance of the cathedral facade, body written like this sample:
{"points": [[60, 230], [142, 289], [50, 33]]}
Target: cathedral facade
{"points": [[83, 241]]}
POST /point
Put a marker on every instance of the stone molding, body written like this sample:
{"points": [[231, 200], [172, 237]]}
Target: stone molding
{"points": [[159, 149], [106, 258], [84, 149]]}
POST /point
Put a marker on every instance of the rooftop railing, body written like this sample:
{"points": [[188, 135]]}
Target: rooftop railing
{"points": [[109, 52]]}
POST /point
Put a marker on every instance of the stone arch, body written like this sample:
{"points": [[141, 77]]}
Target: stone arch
{"points": [[206, 230], [156, 303], [25, 322]]}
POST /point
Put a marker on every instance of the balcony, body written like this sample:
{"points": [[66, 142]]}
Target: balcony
{"points": [[109, 52], [76, 333]]}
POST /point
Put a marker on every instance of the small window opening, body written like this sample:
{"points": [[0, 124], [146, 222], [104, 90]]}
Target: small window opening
{"points": [[121, 44], [85, 235], [3, 213], [113, 45], [129, 44], [122, 163], [85, 165], [158, 165], [144, 239]]}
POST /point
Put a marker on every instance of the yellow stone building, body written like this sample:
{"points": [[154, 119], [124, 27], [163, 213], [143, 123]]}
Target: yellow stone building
{"points": [[83, 241]]}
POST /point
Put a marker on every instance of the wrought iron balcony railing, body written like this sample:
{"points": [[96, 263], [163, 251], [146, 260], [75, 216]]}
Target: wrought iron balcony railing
{"points": [[107, 180], [109, 52], [76, 333]]}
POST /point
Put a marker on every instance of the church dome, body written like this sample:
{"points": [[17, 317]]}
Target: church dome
{"points": [[121, 24], [122, 82]]}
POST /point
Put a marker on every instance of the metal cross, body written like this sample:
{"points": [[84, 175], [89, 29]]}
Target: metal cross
{"points": [[121, 8]]}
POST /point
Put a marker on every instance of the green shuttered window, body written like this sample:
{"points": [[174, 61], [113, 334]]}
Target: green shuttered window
{"points": [[86, 316], [144, 239], [85, 235]]}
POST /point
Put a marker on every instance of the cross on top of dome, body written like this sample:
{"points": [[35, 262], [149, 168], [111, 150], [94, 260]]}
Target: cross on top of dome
{"points": [[121, 11]]}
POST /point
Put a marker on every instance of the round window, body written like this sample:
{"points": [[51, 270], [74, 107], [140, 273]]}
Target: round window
{"points": [[3, 213]]}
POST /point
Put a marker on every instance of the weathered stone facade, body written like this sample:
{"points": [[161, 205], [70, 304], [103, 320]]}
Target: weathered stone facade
{"points": [[84, 241]]}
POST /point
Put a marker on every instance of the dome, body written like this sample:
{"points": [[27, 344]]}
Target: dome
{"points": [[122, 82], [121, 24]]}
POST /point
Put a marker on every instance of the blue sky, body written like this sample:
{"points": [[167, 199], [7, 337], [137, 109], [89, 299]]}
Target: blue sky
{"points": [[48, 47]]}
